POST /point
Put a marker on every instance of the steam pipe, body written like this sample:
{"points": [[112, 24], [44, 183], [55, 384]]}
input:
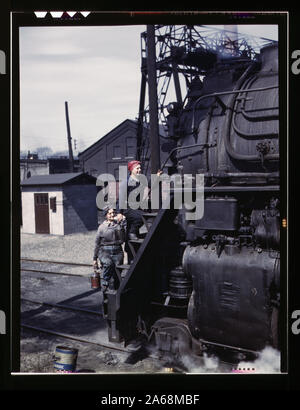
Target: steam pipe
{"points": [[179, 148], [250, 135], [228, 121], [268, 117], [176, 83], [237, 91]]}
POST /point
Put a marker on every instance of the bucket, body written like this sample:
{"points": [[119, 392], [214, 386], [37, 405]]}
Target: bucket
{"points": [[95, 280], [65, 358]]}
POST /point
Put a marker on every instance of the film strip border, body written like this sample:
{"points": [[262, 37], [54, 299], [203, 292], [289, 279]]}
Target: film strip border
{"points": [[63, 15]]}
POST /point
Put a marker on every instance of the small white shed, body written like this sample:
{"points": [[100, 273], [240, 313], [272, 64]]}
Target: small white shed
{"points": [[59, 204]]}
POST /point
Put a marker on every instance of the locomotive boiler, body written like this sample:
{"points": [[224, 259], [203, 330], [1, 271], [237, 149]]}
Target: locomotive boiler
{"points": [[213, 284]]}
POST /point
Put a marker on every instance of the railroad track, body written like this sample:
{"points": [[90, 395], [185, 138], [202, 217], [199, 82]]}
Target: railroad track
{"points": [[131, 357], [33, 324], [63, 306], [56, 262], [74, 338], [80, 325], [63, 335], [60, 317], [53, 263]]}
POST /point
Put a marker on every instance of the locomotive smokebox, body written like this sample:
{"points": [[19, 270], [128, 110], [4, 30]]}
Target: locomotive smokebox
{"points": [[269, 58], [232, 300], [238, 124]]}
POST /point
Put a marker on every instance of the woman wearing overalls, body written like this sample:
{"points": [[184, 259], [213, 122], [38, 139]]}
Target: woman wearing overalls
{"points": [[108, 246]]}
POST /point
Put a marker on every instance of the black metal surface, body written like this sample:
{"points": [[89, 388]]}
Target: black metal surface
{"points": [[219, 214], [231, 302]]}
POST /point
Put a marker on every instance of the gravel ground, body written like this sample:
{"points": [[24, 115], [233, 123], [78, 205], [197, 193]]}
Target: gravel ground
{"points": [[36, 355], [77, 247], [68, 248]]}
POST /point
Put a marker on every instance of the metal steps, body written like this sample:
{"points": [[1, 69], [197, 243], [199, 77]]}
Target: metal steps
{"points": [[125, 302], [134, 244]]}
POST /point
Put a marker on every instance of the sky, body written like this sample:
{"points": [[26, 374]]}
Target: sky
{"points": [[95, 69]]}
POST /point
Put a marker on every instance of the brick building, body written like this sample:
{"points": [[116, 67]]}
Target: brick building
{"points": [[118, 147]]}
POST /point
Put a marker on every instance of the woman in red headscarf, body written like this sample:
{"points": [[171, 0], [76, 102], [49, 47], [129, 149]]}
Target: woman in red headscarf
{"points": [[133, 216]]}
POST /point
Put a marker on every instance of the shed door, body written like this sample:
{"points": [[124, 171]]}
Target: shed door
{"points": [[41, 209]]}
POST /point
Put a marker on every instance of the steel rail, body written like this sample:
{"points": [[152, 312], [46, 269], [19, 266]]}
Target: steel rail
{"points": [[70, 337], [54, 273], [63, 306], [55, 262], [50, 262]]}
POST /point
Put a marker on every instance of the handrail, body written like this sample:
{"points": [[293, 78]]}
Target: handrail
{"points": [[184, 147], [229, 149]]}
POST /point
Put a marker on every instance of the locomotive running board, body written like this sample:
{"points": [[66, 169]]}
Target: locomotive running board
{"points": [[134, 293]]}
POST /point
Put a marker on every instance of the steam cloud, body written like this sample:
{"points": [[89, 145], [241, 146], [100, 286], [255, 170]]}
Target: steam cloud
{"points": [[210, 364], [268, 361]]}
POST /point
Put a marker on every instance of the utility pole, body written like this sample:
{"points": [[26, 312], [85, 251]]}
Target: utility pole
{"points": [[140, 124], [71, 159]]}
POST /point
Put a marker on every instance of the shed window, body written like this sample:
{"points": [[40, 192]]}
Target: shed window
{"points": [[53, 203]]}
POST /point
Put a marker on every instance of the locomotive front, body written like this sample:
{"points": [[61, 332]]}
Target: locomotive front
{"points": [[232, 119]]}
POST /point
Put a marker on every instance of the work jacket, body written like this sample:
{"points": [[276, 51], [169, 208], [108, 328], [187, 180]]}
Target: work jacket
{"points": [[109, 233]]}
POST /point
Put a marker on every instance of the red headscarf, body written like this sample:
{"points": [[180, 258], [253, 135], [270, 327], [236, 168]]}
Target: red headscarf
{"points": [[133, 164]]}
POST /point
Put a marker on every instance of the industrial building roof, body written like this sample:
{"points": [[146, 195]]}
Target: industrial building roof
{"points": [[57, 179], [107, 136]]}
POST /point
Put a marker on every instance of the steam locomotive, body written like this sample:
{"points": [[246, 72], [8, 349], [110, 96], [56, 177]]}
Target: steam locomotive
{"points": [[213, 284]]}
